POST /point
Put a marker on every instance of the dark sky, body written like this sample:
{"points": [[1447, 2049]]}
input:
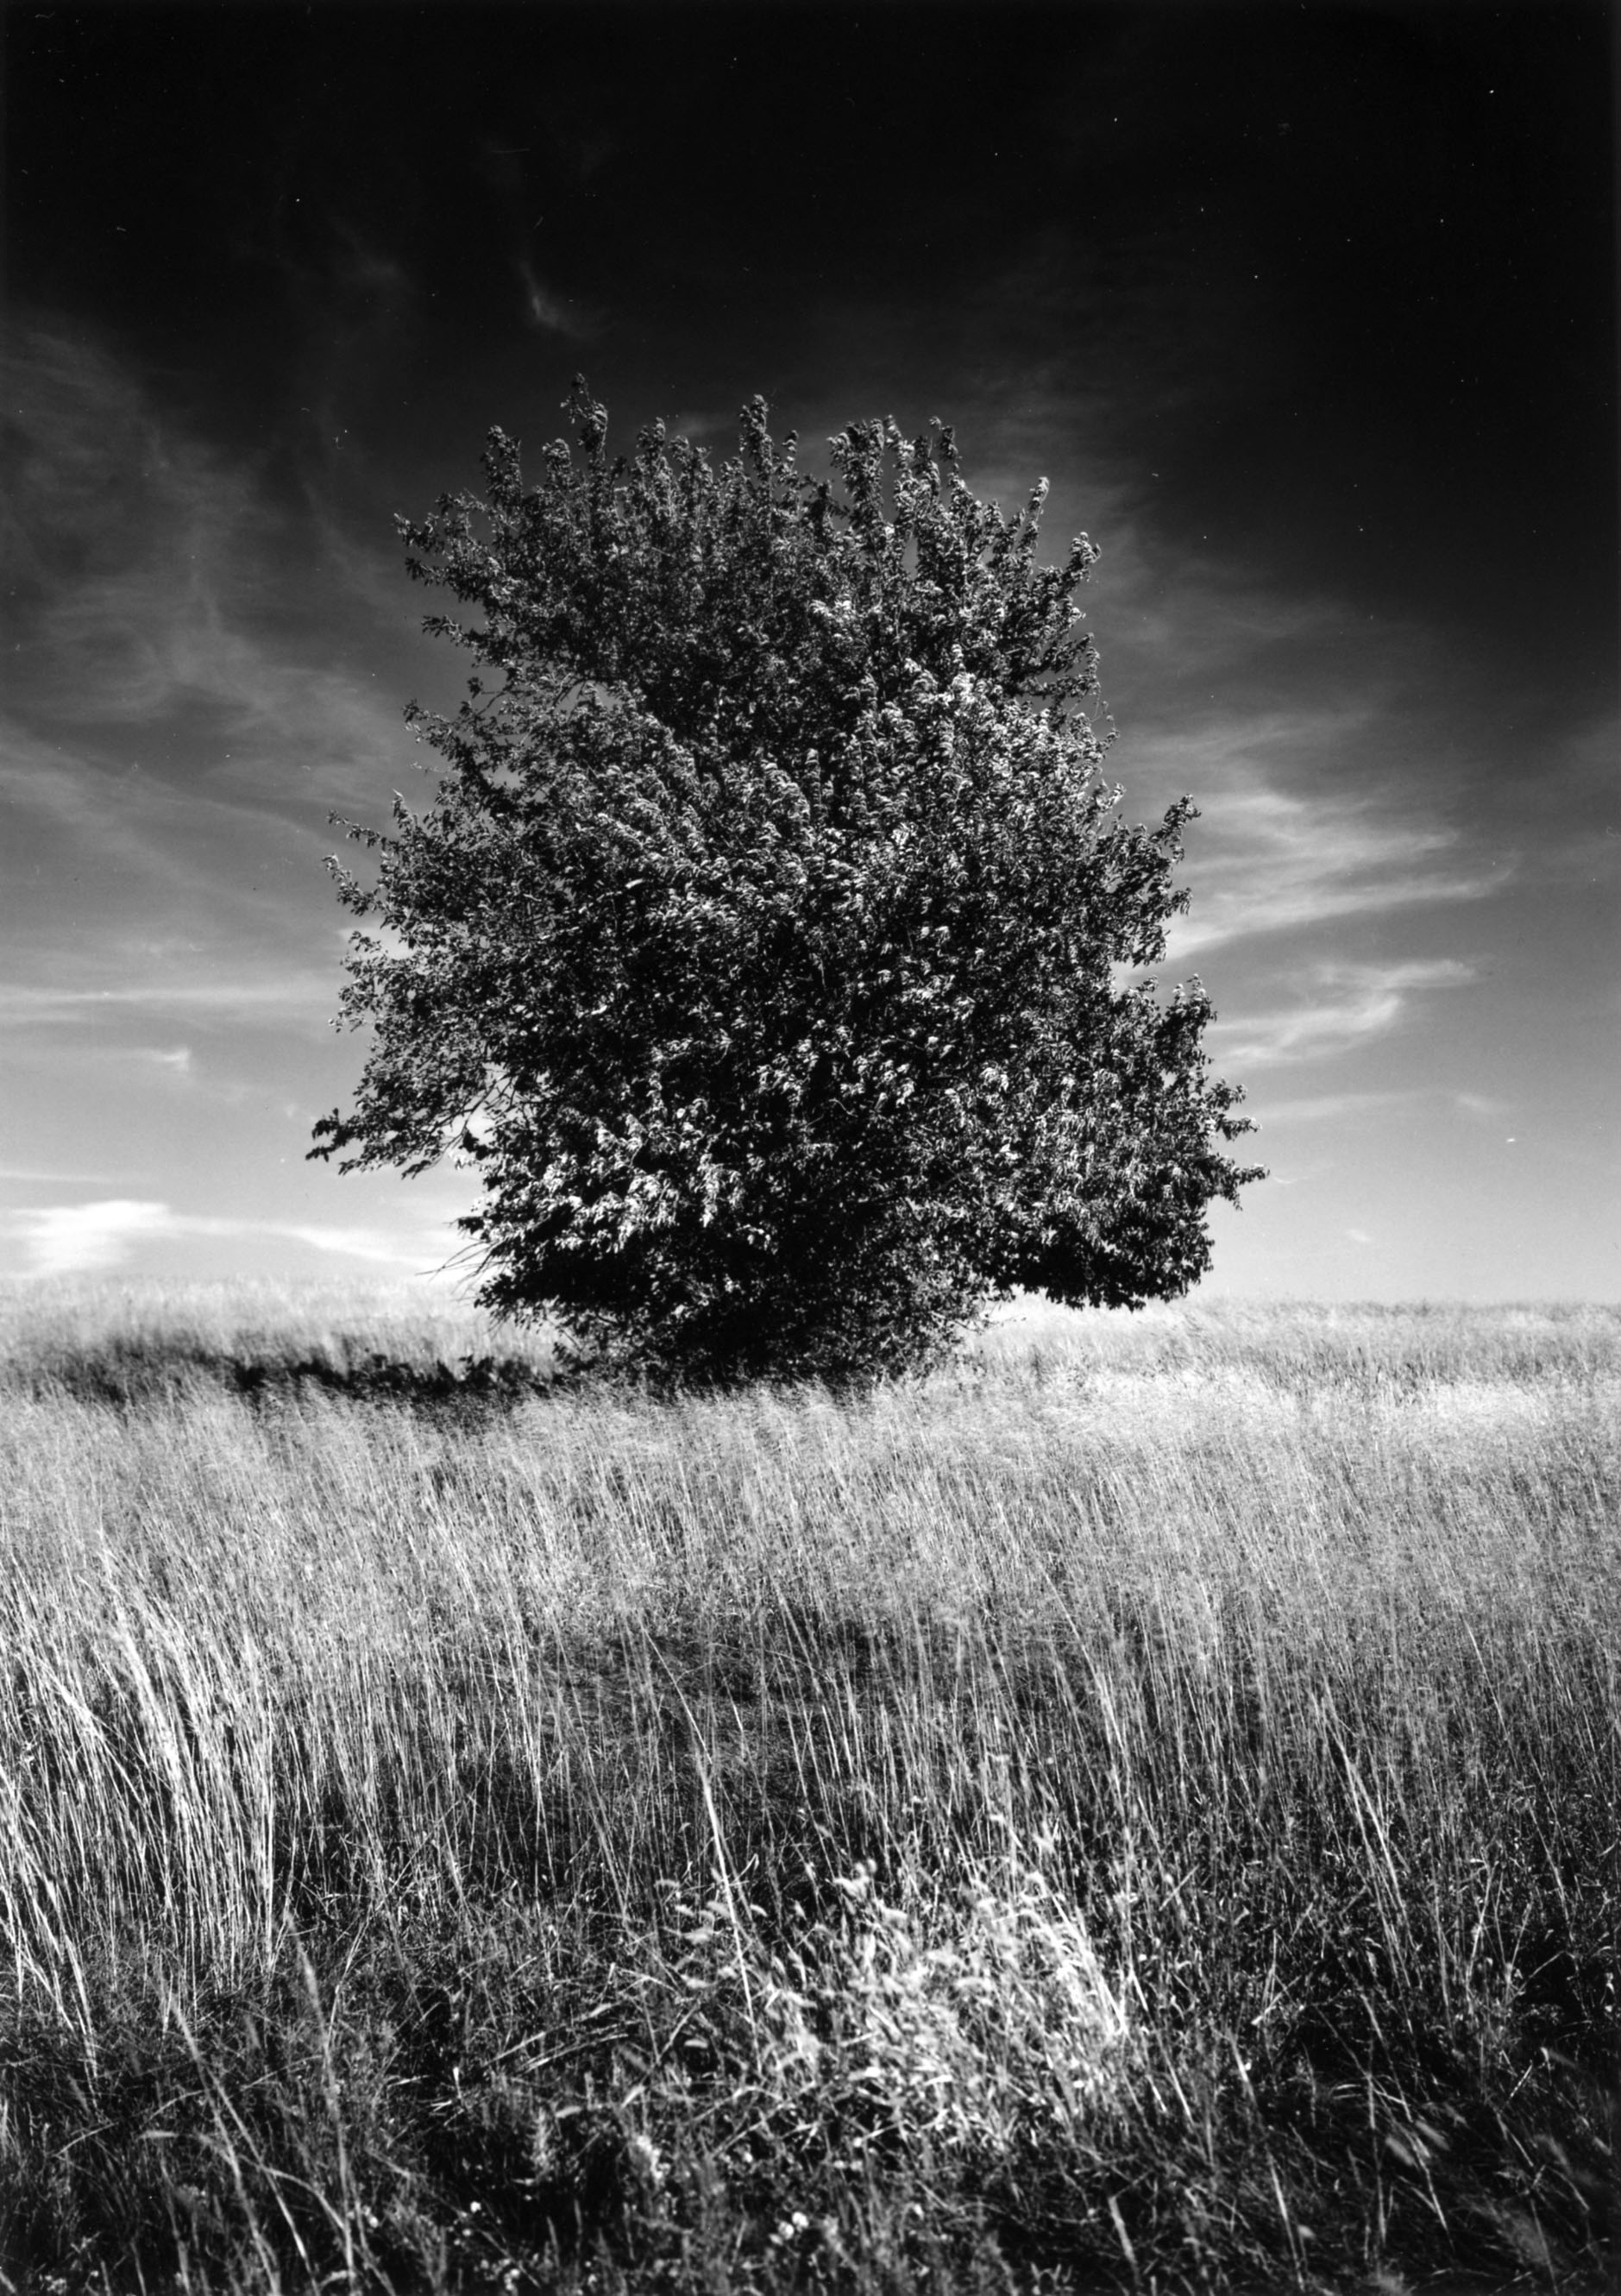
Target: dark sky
{"points": [[1308, 313]]}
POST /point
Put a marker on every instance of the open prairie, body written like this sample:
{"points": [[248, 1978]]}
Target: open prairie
{"points": [[1139, 1807]]}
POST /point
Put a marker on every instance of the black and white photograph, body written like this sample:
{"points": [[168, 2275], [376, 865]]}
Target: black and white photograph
{"points": [[810, 1148]]}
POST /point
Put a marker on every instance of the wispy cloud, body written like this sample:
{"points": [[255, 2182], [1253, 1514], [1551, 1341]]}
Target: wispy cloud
{"points": [[1329, 771], [170, 745], [105, 497], [1327, 1107], [550, 313], [1353, 1003], [1268, 858], [64, 1239], [33, 1174], [61, 805], [142, 567], [269, 993], [1346, 1108], [76, 1239], [1569, 811]]}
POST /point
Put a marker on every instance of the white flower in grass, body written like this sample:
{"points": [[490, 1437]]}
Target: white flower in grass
{"points": [[544, 2157], [646, 2162]]}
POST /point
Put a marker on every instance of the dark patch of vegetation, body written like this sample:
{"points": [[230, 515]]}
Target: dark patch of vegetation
{"points": [[131, 1374]]}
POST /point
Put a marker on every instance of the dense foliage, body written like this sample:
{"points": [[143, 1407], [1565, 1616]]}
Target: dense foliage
{"points": [[762, 946]]}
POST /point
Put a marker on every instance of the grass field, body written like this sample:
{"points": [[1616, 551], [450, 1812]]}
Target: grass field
{"points": [[1139, 1807]]}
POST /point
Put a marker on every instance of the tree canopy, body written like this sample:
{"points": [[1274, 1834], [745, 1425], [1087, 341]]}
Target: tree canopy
{"points": [[766, 948]]}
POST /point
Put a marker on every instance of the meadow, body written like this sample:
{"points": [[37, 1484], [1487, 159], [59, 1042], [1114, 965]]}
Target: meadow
{"points": [[1139, 1807]]}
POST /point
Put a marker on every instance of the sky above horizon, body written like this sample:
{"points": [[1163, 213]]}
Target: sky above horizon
{"points": [[1308, 314]]}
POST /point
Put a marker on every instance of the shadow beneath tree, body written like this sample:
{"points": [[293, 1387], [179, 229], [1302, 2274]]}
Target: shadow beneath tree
{"points": [[125, 1375]]}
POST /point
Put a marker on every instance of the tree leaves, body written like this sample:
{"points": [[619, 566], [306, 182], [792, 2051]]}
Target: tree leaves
{"points": [[762, 935]]}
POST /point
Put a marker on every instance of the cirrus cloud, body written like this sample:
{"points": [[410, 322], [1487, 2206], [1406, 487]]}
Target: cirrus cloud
{"points": [[80, 1239], [1353, 1002]]}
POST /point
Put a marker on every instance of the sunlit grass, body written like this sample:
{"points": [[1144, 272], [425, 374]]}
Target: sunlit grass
{"points": [[1142, 1805]]}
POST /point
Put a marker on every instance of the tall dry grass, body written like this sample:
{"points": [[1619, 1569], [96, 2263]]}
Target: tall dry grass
{"points": [[1141, 1805]]}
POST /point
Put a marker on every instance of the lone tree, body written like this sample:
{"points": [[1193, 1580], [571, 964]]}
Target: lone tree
{"points": [[761, 948]]}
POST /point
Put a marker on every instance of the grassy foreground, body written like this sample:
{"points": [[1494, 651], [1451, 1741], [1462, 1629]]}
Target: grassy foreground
{"points": [[1140, 1809]]}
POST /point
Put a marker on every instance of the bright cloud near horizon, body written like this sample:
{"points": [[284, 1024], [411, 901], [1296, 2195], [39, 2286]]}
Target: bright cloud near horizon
{"points": [[1307, 316]]}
